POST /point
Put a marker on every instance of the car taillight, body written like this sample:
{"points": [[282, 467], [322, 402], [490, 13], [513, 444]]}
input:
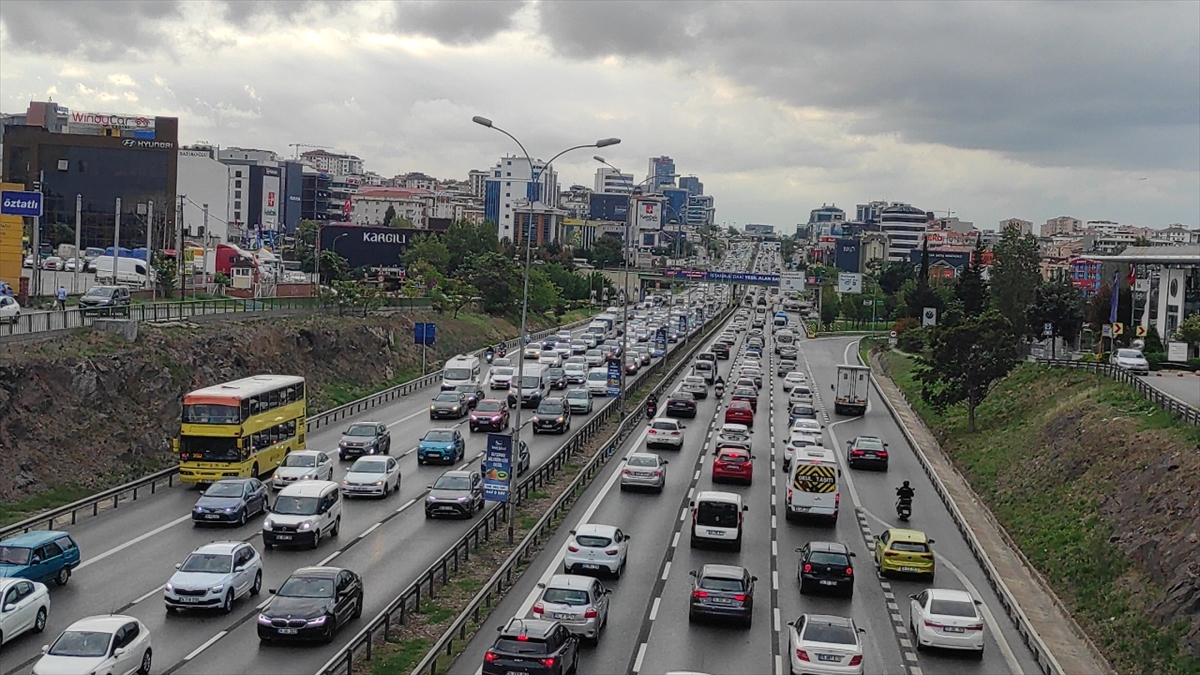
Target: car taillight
{"points": [[657, 473], [856, 659], [489, 656], [548, 661], [613, 551], [573, 548], [653, 432], [881, 453], [807, 568], [699, 594], [849, 571], [890, 554], [801, 654], [740, 597], [538, 608], [930, 624], [977, 626], [590, 613], [627, 472], [856, 453], [674, 433], [926, 556]]}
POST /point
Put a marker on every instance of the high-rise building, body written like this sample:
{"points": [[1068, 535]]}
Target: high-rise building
{"points": [[333, 163], [1023, 226], [869, 212], [662, 172], [904, 227], [826, 221], [700, 211], [676, 205], [478, 180], [692, 184], [1061, 225], [612, 182], [512, 186], [207, 187]]}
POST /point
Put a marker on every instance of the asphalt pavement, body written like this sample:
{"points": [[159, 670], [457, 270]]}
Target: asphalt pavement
{"points": [[1184, 386], [648, 631]]}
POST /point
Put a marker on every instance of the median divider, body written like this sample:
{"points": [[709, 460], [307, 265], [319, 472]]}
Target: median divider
{"points": [[495, 519], [130, 492]]}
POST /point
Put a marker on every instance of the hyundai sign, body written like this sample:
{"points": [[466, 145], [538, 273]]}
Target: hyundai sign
{"points": [[21, 203]]}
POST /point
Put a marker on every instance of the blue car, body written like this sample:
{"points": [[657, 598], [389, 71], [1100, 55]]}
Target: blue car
{"points": [[441, 445], [39, 556]]}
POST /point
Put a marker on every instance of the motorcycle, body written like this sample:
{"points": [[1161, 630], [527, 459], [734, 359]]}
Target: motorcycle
{"points": [[903, 508], [719, 390], [651, 409], [489, 355]]}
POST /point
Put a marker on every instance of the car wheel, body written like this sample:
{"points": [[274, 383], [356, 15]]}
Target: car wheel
{"points": [[243, 516], [147, 659], [63, 576], [268, 546], [977, 655], [227, 603], [358, 607], [316, 538], [332, 623], [737, 543], [803, 586], [257, 586], [39, 622], [337, 527], [574, 664], [386, 488], [420, 462]]}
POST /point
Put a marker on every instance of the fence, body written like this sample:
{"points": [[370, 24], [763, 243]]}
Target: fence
{"points": [[69, 514], [1189, 414], [439, 573]]}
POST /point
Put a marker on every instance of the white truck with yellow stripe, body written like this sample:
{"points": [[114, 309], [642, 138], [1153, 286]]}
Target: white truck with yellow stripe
{"points": [[814, 490]]}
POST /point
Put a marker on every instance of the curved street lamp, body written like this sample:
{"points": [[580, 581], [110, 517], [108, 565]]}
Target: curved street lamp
{"points": [[535, 177]]}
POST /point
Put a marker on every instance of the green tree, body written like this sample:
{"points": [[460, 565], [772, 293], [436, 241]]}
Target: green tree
{"points": [[306, 243], [457, 294], [829, 306], [970, 288], [1015, 276], [389, 215], [1189, 331], [1058, 303], [498, 280], [463, 240], [333, 267], [167, 274], [429, 249], [893, 274], [400, 222], [964, 360], [544, 295], [606, 250]]}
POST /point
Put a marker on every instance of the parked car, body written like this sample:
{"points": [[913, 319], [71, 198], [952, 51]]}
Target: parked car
{"points": [[105, 300], [111, 643], [365, 438], [312, 604], [40, 555], [10, 309], [230, 500]]}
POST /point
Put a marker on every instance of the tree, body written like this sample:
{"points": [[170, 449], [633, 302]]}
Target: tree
{"points": [[167, 274], [457, 294], [333, 266], [893, 274], [1189, 331], [1058, 303], [463, 240], [970, 288], [498, 280], [306, 242], [543, 294], [606, 250], [829, 306], [389, 215], [1015, 276], [964, 360], [401, 222], [430, 249]]}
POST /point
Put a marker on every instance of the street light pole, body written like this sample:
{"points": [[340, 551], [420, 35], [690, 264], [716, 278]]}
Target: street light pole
{"points": [[535, 179]]}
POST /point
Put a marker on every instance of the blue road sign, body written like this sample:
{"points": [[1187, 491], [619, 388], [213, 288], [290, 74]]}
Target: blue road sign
{"points": [[725, 277], [614, 378], [424, 333], [660, 339], [683, 325], [497, 467], [20, 203]]}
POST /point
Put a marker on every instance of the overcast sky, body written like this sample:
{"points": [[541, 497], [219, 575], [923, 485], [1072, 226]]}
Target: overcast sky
{"points": [[990, 110]]}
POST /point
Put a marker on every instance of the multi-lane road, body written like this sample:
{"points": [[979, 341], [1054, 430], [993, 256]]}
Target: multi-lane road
{"points": [[130, 553], [648, 630]]}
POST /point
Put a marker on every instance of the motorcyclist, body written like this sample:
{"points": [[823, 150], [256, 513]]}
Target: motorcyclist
{"points": [[490, 354], [651, 404], [905, 493]]}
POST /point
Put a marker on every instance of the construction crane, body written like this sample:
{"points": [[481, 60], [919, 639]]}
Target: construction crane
{"points": [[297, 146]]}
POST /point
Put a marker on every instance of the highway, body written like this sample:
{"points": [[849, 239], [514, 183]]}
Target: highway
{"points": [[1184, 386], [648, 631], [129, 553]]}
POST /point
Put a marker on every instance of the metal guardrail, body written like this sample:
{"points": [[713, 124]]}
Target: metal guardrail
{"points": [[1041, 653], [494, 519], [112, 498], [1188, 413]]}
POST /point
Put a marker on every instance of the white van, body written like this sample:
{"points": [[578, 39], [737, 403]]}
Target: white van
{"points": [[717, 518], [302, 513], [461, 370], [597, 382], [814, 490], [130, 271], [533, 386], [784, 337]]}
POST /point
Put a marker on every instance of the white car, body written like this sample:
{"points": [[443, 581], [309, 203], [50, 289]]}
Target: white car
{"points": [[551, 358], [800, 439], [1132, 360], [580, 400], [825, 645], [594, 358], [53, 263], [25, 604], [112, 643], [533, 353], [500, 377], [948, 619], [10, 309], [800, 393], [375, 475], [597, 381], [596, 548], [303, 465], [694, 385], [793, 379], [213, 576], [665, 431]]}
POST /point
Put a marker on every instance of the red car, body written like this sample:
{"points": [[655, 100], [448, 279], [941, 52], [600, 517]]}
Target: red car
{"points": [[739, 412], [733, 464], [490, 414]]}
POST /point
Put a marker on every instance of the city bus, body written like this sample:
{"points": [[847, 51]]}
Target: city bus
{"points": [[241, 428]]}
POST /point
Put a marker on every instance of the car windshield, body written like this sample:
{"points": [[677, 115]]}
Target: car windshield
{"points": [[952, 608], [306, 587], [361, 430], [295, 506], [717, 514], [815, 631], [597, 376], [452, 483], [211, 563], [550, 408], [300, 460], [682, 396], [502, 371], [643, 460], [369, 465], [870, 443], [556, 372], [664, 425], [531, 382], [910, 546], [592, 541], [488, 406], [98, 293], [566, 596], [578, 393], [81, 643], [827, 558], [522, 646], [14, 555], [439, 435], [224, 489], [721, 584], [1129, 354], [467, 389], [447, 397]]}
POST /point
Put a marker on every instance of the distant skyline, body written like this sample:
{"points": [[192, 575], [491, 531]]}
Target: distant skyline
{"points": [[989, 109]]}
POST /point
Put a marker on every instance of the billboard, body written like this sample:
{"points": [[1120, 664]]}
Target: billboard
{"points": [[270, 202], [754, 228], [368, 246], [609, 207], [497, 467], [791, 282], [649, 214], [12, 230], [80, 120], [677, 199], [849, 283], [846, 255]]}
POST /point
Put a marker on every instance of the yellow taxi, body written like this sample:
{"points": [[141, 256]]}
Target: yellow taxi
{"points": [[904, 552]]}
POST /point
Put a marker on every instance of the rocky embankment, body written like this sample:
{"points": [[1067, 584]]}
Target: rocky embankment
{"points": [[92, 410]]}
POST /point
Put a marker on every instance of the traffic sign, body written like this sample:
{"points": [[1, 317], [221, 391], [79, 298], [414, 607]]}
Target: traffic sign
{"points": [[929, 317], [497, 467], [1118, 329], [21, 203], [1140, 331], [424, 333], [1047, 329]]}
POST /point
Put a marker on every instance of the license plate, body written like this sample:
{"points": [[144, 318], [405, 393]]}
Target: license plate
{"points": [[715, 533], [868, 454], [642, 474], [952, 629], [825, 582], [211, 516], [828, 657], [287, 631], [514, 672], [186, 599], [721, 601], [803, 508], [908, 569], [558, 615], [283, 537], [590, 566]]}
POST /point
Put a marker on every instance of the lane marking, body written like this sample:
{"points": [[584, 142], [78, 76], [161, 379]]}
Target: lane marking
{"points": [[654, 608], [144, 597], [133, 542], [331, 556], [637, 663], [406, 505], [369, 530], [666, 570], [196, 652], [675, 539]]}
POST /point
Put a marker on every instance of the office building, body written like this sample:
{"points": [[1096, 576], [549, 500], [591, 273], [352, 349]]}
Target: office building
{"points": [[206, 190], [692, 184], [576, 202], [611, 182], [265, 195], [676, 205], [1023, 226], [870, 212], [512, 186], [700, 211], [1061, 225], [826, 223], [904, 227], [662, 172]]}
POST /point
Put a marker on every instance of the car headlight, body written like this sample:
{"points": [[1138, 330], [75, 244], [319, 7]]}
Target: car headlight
{"points": [[264, 619], [319, 621], [462, 499], [455, 408], [378, 483], [308, 476], [560, 420], [306, 525], [230, 509], [432, 408], [345, 482], [170, 588], [217, 589], [341, 444], [431, 498], [197, 508], [267, 524]]}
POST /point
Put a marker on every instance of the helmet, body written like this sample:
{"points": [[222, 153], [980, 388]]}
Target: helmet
{"points": [[905, 483]]}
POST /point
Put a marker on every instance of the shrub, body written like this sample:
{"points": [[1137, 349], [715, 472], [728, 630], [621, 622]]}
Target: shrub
{"points": [[912, 341], [1155, 359]]}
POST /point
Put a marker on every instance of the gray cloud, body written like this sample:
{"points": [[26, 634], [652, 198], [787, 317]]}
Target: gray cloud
{"points": [[101, 30], [1093, 84], [456, 23], [239, 11]]}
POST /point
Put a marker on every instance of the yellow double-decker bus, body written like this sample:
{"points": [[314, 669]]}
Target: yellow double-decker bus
{"points": [[241, 428]]}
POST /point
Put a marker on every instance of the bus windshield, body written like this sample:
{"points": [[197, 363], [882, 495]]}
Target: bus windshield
{"points": [[209, 413], [208, 449]]}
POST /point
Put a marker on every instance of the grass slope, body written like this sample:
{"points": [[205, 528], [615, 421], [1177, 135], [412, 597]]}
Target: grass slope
{"points": [[1059, 458]]}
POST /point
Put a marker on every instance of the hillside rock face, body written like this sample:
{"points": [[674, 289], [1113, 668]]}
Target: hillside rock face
{"points": [[94, 410]]}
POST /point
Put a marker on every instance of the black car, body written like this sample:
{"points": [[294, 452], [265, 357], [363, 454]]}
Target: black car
{"points": [[746, 394], [105, 300], [230, 500], [552, 414], [681, 404], [532, 647], [801, 411], [722, 592], [365, 438], [473, 392], [867, 451], [451, 404], [557, 377], [311, 605], [825, 565], [455, 493], [721, 350]]}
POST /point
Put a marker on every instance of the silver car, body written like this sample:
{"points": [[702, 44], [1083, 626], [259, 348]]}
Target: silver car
{"points": [[580, 604], [580, 400], [1132, 360], [644, 470]]}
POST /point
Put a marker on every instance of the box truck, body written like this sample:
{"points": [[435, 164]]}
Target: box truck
{"points": [[851, 389]]}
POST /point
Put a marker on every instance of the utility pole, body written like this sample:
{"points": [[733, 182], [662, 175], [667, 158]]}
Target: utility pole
{"points": [[204, 261], [78, 253], [150, 249], [36, 275], [117, 243], [179, 247]]}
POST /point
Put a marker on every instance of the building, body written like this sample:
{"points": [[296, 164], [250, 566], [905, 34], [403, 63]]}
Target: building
{"points": [[265, 195], [512, 186], [904, 227], [1061, 225], [314, 200], [248, 156], [760, 230], [675, 206], [1023, 226], [369, 206], [542, 223], [333, 163], [576, 202], [870, 212], [612, 182], [692, 184], [478, 181], [700, 211], [206, 190], [1176, 234], [661, 172], [873, 246], [609, 207], [1086, 274], [99, 158], [956, 225]]}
